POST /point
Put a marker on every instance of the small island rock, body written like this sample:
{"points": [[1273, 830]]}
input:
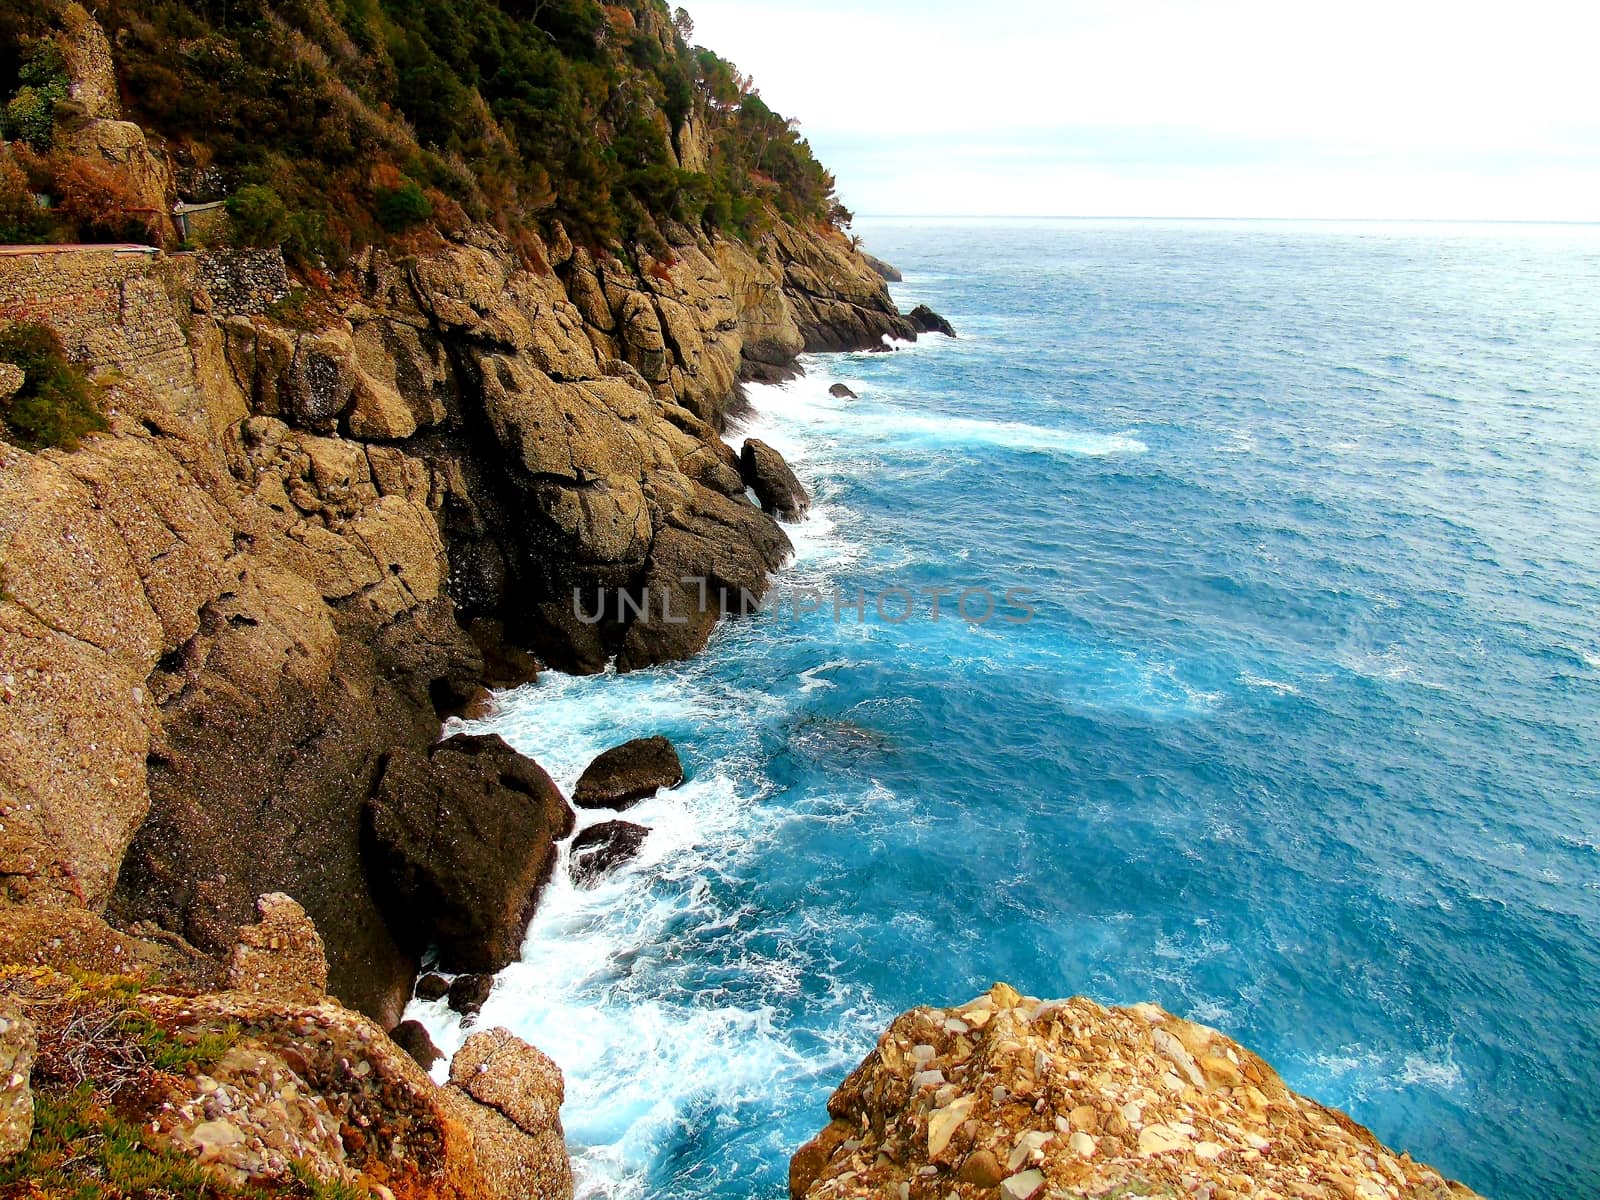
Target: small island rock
{"points": [[927, 321]]}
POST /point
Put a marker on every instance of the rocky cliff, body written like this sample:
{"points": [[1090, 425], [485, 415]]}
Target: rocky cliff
{"points": [[219, 618], [320, 521], [1012, 1097]]}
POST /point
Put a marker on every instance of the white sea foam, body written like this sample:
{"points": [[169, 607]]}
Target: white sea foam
{"points": [[801, 420], [1274, 685]]}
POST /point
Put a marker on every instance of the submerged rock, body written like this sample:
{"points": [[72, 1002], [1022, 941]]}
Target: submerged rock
{"points": [[629, 773], [774, 484], [1067, 1098], [462, 842], [927, 321], [839, 392], [601, 849]]}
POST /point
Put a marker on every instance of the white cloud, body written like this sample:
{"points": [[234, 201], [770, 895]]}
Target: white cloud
{"points": [[1362, 108]]}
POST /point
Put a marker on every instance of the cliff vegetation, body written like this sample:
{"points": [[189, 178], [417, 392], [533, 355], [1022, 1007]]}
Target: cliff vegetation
{"points": [[338, 124]]}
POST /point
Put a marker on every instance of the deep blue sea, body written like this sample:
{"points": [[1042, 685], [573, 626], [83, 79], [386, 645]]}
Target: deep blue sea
{"points": [[1301, 740]]}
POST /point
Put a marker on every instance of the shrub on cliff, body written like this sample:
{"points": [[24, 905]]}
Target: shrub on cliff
{"points": [[56, 405], [512, 114], [102, 202], [259, 216], [21, 218], [402, 207], [30, 114]]}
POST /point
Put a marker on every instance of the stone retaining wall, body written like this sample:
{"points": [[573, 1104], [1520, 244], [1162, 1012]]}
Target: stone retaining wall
{"points": [[113, 307]]}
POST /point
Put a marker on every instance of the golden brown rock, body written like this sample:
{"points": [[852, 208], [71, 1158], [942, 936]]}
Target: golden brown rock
{"points": [[1067, 1098]]}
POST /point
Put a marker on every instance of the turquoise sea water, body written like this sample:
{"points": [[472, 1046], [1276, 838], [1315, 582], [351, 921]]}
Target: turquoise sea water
{"points": [[1301, 740]]}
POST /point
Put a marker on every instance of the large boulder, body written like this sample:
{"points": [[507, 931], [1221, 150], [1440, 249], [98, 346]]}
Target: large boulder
{"points": [[601, 849], [461, 841], [629, 773], [774, 484]]}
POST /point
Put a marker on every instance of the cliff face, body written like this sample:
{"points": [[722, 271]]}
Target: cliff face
{"points": [[1011, 1096], [220, 617]]}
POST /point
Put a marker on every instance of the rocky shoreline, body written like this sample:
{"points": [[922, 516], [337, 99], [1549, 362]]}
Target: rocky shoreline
{"points": [[325, 517]]}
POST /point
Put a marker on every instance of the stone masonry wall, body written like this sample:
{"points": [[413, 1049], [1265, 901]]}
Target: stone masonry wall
{"points": [[110, 305]]}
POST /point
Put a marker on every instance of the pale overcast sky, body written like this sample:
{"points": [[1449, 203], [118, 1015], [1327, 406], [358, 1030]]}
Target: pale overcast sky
{"points": [[1409, 109]]}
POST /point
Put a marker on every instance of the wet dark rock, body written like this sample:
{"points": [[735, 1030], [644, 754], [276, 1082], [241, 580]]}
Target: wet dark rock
{"points": [[461, 842], [927, 321], [839, 392], [469, 992], [774, 484], [432, 987], [601, 849], [629, 773], [412, 1037]]}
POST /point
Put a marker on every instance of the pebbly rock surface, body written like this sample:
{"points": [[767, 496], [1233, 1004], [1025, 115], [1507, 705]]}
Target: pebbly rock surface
{"points": [[514, 1095], [601, 849], [629, 773], [1015, 1098], [281, 956], [772, 480], [18, 1044], [462, 840]]}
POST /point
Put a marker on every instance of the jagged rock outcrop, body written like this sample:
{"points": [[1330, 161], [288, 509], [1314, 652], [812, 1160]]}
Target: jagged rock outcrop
{"points": [[886, 272], [773, 481], [626, 774], [1013, 1097], [91, 125], [461, 840], [925, 320]]}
